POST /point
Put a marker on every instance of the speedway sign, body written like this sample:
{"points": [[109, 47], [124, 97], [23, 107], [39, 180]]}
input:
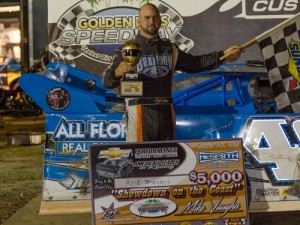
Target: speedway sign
{"points": [[93, 30], [170, 181]]}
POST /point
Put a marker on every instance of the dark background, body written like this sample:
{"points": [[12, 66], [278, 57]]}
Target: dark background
{"points": [[39, 34]]}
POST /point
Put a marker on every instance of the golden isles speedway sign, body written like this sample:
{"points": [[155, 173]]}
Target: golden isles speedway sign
{"points": [[95, 30], [194, 182]]}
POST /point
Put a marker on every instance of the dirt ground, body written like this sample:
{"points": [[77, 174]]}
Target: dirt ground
{"points": [[21, 175], [21, 167], [20, 178]]}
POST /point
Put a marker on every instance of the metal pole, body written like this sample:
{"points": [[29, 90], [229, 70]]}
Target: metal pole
{"points": [[25, 59]]}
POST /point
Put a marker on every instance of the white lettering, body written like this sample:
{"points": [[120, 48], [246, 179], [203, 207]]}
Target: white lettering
{"points": [[62, 131], [268, 141], [275, 6], [95, 129]]}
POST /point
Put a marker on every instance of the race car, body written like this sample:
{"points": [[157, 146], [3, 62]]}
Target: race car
{"points": [[81, 112], [9, 72]]}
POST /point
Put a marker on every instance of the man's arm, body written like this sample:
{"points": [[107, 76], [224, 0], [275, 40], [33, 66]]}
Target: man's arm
{"points": [[189, 63], [110, 80]]}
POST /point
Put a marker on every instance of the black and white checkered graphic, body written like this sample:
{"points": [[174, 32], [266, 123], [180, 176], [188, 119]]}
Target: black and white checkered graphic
{"points": [[274, 48], [181, 41], [68, 22], [66, 53]]}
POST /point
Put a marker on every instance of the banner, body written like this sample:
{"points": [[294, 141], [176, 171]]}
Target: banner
{"points": [[280, 48], [85, 33], [145, 183]]}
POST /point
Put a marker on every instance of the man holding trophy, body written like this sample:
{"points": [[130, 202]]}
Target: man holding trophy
{"points": [[144, 70]]}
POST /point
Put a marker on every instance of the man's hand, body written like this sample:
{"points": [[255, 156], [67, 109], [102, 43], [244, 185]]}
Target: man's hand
{"points": [[123, 68], [232, 53]]}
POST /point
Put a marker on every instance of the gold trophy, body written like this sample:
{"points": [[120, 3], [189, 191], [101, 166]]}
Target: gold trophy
{"points": [[131, 84]]}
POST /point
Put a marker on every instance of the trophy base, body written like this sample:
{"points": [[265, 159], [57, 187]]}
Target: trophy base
{"points": [[131, 85]]}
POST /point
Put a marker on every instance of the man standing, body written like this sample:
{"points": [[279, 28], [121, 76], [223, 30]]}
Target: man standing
{"points": [[151, 117]]}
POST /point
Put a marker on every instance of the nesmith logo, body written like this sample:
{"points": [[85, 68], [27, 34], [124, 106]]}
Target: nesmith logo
{"points": [[97, 30], [222, 156]]}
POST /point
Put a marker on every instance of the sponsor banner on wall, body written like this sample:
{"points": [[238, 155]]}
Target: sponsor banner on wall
{"points": [[169, 182], [86, 33]]}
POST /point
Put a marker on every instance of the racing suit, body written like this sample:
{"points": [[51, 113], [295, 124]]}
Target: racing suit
{"points": [[151, 117]]}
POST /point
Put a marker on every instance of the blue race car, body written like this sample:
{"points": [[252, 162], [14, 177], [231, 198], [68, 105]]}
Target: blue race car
{"points": [[235, 101]]}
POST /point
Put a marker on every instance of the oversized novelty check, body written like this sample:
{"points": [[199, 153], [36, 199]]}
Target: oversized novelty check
{"points": [[169, 183]]}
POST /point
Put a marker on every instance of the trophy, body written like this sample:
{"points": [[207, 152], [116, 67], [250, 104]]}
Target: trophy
{"points": [[131, 84]]}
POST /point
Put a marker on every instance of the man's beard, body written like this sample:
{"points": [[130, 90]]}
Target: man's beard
{"points": [[150, 31]]}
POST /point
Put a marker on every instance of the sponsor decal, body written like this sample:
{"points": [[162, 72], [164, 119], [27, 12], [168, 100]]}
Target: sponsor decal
{"points": [[282, 137], [74, 137], [114, 153], [185, 223], [269, 9], [294, 63], [73, 181], [254, 9], [154, 69], [263, 192], [109, 213], [74, 147], [235, 221], [153, 207], [219, 156], [210, 223], [58, 99], [92, 130]]}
